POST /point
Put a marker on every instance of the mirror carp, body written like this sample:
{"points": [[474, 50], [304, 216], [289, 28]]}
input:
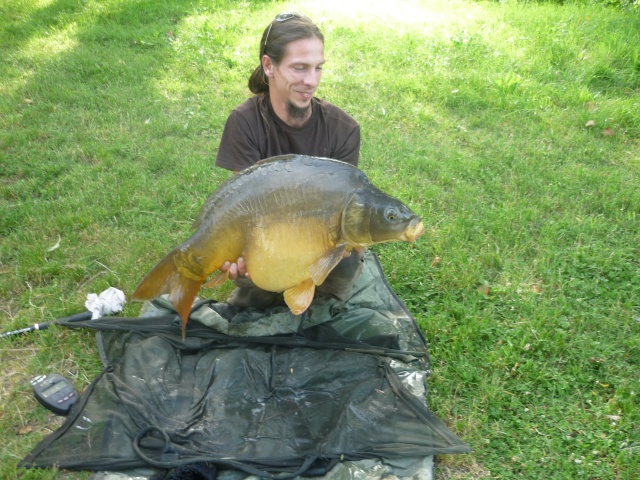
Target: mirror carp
{"points": [[291, 218]]}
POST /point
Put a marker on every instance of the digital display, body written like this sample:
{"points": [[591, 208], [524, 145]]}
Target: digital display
{"points": [[55, 388]]}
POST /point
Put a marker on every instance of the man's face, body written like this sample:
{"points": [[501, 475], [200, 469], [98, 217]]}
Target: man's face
{"points": [[294, 81]]}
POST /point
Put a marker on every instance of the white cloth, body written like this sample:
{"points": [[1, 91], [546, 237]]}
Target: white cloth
{"points": [[110, 301]]}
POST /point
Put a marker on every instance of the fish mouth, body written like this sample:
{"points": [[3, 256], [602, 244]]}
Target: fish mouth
{"points": [[414, 230]]}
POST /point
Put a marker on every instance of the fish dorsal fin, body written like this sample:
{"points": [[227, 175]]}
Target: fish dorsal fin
{"points": [[274, 159], [299, 298], [325, 263], [210, 202]]}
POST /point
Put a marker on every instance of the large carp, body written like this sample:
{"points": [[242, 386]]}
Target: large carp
{"points": [[292, 218]]}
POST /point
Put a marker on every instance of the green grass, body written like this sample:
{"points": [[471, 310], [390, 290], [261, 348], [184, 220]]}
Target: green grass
{"points": [[527, 284]]}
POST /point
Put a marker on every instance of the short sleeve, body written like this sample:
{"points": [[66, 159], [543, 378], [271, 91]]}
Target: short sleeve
{"points": [[239, 147], [349, 150]]}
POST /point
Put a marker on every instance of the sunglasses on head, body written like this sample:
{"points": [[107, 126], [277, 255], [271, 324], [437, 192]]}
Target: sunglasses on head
{"points": [[281, 17]]}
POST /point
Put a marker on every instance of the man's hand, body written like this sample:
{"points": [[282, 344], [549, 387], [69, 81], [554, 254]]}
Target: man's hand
{"points": [[236, 269]]}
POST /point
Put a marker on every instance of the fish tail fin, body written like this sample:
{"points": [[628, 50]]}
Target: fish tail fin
{"points": [[165, 278]]}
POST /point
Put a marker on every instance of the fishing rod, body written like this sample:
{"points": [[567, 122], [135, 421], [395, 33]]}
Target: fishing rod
{"points": [[78, 317], [110, 301]]}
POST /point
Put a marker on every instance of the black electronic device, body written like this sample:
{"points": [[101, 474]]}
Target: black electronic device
{"points": [[55, 393]]}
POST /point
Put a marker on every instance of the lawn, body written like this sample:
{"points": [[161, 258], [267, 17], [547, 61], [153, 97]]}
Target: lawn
{"points": [[513, 128]]}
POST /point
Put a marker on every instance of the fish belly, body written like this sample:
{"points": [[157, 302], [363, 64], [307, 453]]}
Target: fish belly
{"points": [[279, 254]]}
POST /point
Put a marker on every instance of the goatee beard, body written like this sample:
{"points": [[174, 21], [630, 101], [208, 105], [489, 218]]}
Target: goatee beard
{"points": [[298, 114]]}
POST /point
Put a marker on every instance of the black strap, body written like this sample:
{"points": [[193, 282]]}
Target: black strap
{"points": [[171, 453]]}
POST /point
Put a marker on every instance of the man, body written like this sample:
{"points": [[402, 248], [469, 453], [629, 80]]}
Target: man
{"points": [[285, 117]]}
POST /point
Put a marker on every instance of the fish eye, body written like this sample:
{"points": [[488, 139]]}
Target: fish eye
{"points": [[391, 214]]}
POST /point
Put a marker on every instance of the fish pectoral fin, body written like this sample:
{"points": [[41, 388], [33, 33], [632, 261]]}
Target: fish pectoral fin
{"points": [[217, 280], [299, 298], [325, 263]]}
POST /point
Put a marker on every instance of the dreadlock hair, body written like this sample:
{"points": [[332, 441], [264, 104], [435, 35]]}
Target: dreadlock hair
{"points": [[280, 34]]}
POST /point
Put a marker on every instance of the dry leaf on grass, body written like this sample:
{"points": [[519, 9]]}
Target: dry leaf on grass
{"points": [[484, 289], [25, 430], [54, 247]]}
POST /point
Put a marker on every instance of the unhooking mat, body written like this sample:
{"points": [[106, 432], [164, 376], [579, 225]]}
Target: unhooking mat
{"points": [[256, 390]]}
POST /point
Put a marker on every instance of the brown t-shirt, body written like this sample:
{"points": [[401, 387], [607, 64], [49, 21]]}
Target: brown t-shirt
{"points": [[254, 132]]}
